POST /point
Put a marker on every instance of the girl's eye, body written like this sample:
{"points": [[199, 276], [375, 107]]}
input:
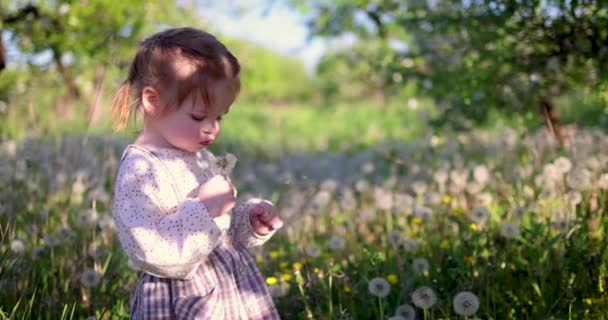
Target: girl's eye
{"points": [[195, 118]]}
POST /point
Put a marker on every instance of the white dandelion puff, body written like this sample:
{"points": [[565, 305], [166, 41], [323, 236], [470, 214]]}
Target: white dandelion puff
{"points": [[87, 217], [17, 246], [396, 318], [90, 278], [336, 243], [379, 287], [575, 198], [423, 213], [466, 303], [313, 251], [479, 214], [226, 163], [394, 237], [409, 245], [579, 179], [420, 265], [481, 174], [563, 164], [602, 183], [406, 312], [509, 230], [424, 297]]}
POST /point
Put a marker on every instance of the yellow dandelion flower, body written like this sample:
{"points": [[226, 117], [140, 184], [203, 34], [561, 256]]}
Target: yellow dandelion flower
{"points": [[392, 279], [459, 211], [444, 244], [417, 221], [473, 227], [271, 281], [286, 277], [347, 289], [446, 199], [297, 265], [284, 265], [274, 254]]}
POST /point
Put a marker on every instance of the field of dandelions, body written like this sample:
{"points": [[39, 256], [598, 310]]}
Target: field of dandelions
{"points": [[477, 226]]}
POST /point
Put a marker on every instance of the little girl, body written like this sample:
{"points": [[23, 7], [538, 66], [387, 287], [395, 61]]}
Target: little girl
{"points": [[175, 212]]}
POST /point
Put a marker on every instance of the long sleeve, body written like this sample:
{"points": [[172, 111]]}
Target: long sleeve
{"points": [[163, 237], [240, 226]]}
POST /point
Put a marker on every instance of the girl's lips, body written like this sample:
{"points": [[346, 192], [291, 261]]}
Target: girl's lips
{"points": [[206, 142]]}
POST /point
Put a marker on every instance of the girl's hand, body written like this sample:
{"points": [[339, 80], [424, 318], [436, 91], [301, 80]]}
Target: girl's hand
{"points": [[217, 195], [264, 218]]}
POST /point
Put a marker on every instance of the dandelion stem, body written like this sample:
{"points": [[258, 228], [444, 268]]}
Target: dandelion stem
{"points": [[381, 308]]}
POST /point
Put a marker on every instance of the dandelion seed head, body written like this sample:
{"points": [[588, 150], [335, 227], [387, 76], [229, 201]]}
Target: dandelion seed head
{"points": [[509, 230], [406, 311], [336, 243], [466, 303], [90, 278], [17, 246], [420, 265], [479, 214], [424, 297], [379, 287], [313, 251]]}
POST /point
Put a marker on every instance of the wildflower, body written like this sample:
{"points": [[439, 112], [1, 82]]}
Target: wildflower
{"points": [[361, 185], [563, 164], [424, 297], [579, 179], [321, 200], [383, 198], [394, 237], [419, 187], [481, 174], [379, 287], [271, 281], [297, 265], [446, 199], [406, 311], [603, 181], [90, 278], [423, 213], [509, 230], [409, 244], [479, 214], [286, 277], [466, 303], [17, 246], [392, 278], [87, 217], [444, 244], [278, 290], [473, 227], [420, 265], [417, 221], [226, 163], [313, 251], [575, 198], [441, 177], [274, 254], [336, 243], [347, 289]]}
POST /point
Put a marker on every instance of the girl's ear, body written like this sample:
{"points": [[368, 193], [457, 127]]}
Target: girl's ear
{"points": [[150, 100]]}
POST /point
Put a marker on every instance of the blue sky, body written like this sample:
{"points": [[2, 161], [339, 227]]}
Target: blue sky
{"points": [[277, 27]]}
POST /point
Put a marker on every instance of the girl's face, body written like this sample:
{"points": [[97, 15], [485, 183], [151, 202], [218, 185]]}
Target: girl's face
{"points": [[193, 125]]}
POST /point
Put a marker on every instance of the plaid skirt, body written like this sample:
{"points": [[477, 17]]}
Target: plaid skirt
{"points": [[228, 285]]}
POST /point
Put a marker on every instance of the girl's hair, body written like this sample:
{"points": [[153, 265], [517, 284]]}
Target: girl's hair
{"points": [[175, 62]]}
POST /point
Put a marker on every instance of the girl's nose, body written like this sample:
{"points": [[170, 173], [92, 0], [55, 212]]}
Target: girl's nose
{"points": [[210, 126]]}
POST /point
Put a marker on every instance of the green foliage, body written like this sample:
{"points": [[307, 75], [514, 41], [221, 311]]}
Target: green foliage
{"points": [[471, 56]]}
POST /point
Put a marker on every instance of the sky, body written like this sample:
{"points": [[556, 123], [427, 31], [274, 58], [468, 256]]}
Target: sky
{"points": [[277, 27]]}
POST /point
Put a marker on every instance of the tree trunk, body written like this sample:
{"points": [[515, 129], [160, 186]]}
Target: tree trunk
{"points": [[550, 119], [2, 53]]}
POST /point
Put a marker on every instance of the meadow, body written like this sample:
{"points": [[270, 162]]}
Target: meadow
{"points": [[386, 218]]}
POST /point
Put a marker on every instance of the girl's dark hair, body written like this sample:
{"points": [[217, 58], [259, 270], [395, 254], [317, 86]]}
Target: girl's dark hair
{"points": [[175, 62]]}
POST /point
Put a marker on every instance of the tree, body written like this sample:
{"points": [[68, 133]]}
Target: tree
{"points": [[475, 55]]}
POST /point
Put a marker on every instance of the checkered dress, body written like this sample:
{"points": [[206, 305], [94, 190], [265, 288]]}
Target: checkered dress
{"points": [[195, 266]]}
